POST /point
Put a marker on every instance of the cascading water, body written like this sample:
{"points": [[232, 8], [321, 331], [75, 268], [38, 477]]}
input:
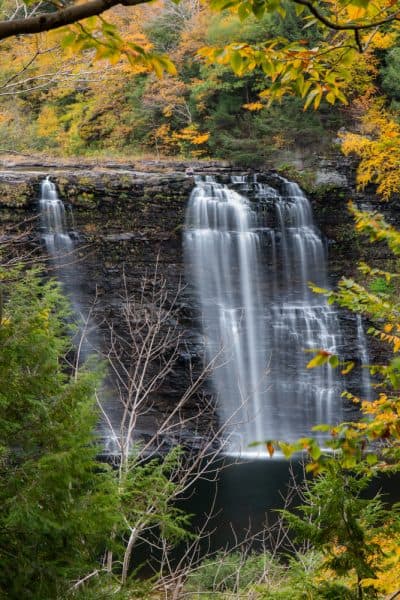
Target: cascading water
{"points": [[59, 243], [297, 319], [55, 235], [223, 251], [250, 269], [60, 246]]}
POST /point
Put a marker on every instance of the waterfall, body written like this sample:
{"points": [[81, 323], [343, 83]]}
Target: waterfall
{"points": [[250, 263], [59, 243], [60, 247], [55, 235], [224, 255], [297, 319]]}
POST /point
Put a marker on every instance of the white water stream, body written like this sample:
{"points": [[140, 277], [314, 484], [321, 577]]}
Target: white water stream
{"points": [[55, 234], [60, 247], [251, 263]]}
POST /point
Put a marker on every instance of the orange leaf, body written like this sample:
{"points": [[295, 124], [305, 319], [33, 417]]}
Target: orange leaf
{"points": [[270, 448]]}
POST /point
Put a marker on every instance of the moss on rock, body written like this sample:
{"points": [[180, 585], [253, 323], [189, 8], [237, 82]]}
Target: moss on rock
{"points": [[16, 194]]}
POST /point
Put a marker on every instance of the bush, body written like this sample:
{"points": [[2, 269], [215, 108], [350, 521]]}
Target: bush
{"points": [[232, 572], [381, 286], [391, 74]]}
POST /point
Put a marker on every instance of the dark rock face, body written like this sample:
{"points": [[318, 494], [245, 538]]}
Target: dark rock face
{"points": [[346, 249], [127, 220], [126, 225]]}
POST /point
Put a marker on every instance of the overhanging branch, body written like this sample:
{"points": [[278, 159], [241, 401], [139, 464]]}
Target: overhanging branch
{"points": [[60, 18], [395, 16], [78, 12]]}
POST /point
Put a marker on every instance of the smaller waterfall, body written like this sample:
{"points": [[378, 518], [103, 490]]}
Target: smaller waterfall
{"points": [[55, 235], [297, 319], [61, 248], [60, 244], [364, 357]]}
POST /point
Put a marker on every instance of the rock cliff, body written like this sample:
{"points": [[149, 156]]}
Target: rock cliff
{"points": [[128, 218]]}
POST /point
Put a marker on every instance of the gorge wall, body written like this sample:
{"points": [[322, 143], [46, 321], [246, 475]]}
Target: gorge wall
{"points": [[129, 218]]}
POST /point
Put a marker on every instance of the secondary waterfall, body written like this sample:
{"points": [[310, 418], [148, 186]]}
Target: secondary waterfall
{"points": [[55, 235], [250, 260], [60, 246]]}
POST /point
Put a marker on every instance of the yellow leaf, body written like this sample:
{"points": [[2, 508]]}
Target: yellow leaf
{"points": [[319, 359], [253, 106], [348, 368]]}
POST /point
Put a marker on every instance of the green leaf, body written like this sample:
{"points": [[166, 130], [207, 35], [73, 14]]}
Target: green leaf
{"points": [[299, 8], [317, 100], [372, 459], [236, 62], [68, 40], [331, 97], [334, 361], [287, 449], [323, 428], [258, 8], [243, 11], [315, 451], [316, 289]]}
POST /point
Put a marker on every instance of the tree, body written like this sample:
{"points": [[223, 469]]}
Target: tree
{"points": [[344, 526], [69, 521], [63, 101], [58, 502], [355, 17], [53, 19], [311, 72], [378, 147], [153, 474]]}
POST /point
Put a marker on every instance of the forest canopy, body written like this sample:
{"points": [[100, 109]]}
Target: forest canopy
{"points": [[224, 79], [292, 66]]}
